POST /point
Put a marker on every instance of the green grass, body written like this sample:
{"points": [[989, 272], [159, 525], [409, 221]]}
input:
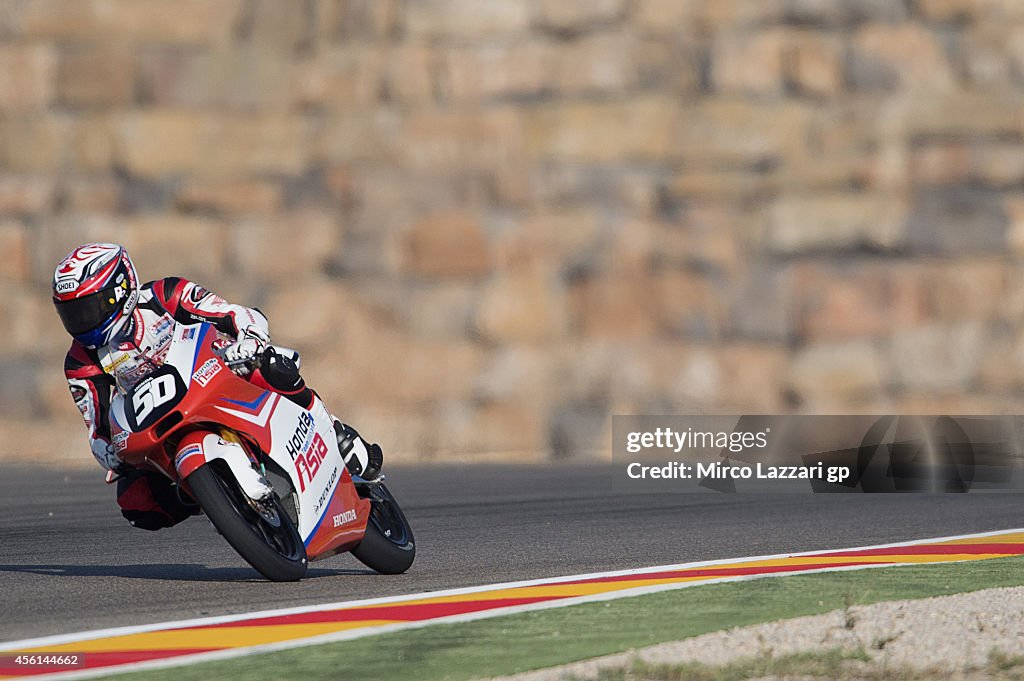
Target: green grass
{"points": [[514, 643]]}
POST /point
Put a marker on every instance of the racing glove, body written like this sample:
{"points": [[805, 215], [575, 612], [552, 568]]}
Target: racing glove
{"points": [[251, 342], [105, 455]]}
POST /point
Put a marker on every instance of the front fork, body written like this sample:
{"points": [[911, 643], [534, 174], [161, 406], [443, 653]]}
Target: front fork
{"points": [[201, 447]]}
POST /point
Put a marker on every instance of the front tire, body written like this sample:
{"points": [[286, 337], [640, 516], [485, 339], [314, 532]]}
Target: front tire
{"points": [[267, 540], [388, 546]]}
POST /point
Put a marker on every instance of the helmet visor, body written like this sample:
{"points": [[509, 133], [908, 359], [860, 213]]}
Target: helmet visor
{"points": [[88, 312]]}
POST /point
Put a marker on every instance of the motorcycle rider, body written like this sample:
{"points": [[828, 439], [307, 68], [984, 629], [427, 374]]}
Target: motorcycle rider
{"points": [[122, 332]]}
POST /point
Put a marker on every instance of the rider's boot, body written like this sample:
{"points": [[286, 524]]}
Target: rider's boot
{"points": [[281, 373], [361, 457]]}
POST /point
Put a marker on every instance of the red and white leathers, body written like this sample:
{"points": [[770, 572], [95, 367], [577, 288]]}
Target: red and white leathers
{"points": [[92, 374]]}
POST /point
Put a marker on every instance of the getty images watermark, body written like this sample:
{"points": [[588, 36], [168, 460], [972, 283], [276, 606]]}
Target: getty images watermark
{"points": [[818, 453]]}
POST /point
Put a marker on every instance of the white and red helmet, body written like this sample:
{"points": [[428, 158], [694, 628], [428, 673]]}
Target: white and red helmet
{"points": [[95, 291]]}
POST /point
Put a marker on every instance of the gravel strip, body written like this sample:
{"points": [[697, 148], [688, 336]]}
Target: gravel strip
{"points": [[954, 634]]}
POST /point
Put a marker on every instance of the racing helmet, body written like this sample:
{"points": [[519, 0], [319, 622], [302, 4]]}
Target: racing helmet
{"points": [[95, 291]]}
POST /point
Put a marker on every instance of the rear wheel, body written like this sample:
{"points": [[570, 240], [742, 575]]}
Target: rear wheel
{"points": [[262, 532], [388, 545]]}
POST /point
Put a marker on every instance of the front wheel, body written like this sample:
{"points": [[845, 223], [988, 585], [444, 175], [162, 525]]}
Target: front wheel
{"points": [[388, 545], [262, 533]]}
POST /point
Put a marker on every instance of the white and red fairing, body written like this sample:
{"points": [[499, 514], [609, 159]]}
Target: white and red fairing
{"points": [[331, 515]]}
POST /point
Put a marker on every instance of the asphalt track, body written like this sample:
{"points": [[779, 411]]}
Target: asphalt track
{"points": [[68, 562]]}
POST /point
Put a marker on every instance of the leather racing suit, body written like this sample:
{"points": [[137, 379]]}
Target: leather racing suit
{"points": [[147, 499]]}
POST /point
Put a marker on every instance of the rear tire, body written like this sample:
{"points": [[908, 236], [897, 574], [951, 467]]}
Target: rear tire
{"points": [[388, 546], [271, 545]]}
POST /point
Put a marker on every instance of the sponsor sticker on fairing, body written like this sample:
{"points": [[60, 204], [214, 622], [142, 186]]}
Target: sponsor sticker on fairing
{"points": [[343, 518], [206, 372], [191, 450]]}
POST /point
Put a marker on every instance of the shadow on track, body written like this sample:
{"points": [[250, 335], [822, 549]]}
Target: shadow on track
{"points": [[177, 572]]}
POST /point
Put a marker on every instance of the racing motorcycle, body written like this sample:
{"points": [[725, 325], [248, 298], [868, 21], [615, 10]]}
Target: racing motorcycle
{"points": [[267, 473]]}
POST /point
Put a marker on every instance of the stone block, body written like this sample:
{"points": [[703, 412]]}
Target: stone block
{"points": [[706, 237], [836, 222], [837, 373], [460, 140], [363, 136], [96, 77], [971, 290], [946, 163], [92, 144], [724, 131], [163, 142], [734, 378], [989, 54], [904, 56], [292, 246], [406, 371], [857, 301], [761, 305], [235, 197], [442, 310], [306, 313], [237, 145], [813, 63], [447, 245], [566, 239], [19, 389], [614, 306], [517, 372], [998, 165], [828, 13], [32, 143], [500, 70], [159, 142], [957, 11], [14, 244], [746, 63], [957, 221], [165, 245], [239, 78], [752, 376], [937, 359], [524, 307], [689, 305], [91, 194], [25, 194], [965, 113], [339, 78], [706, 18], [355, 20], [465, 19], [184, 22], [1014, 206], [278, 26], [28, 81], [664, 16], [643, 129], [411, 74], [598, 64], [38, 333], [574, 16], [579, 431], [490, 432]]}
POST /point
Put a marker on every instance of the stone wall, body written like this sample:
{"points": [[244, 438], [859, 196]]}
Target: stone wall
{"points": [[491, 225]]}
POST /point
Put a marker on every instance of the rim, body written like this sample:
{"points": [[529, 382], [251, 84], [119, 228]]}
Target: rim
{"points": [[386, 517], [266, 520]]}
